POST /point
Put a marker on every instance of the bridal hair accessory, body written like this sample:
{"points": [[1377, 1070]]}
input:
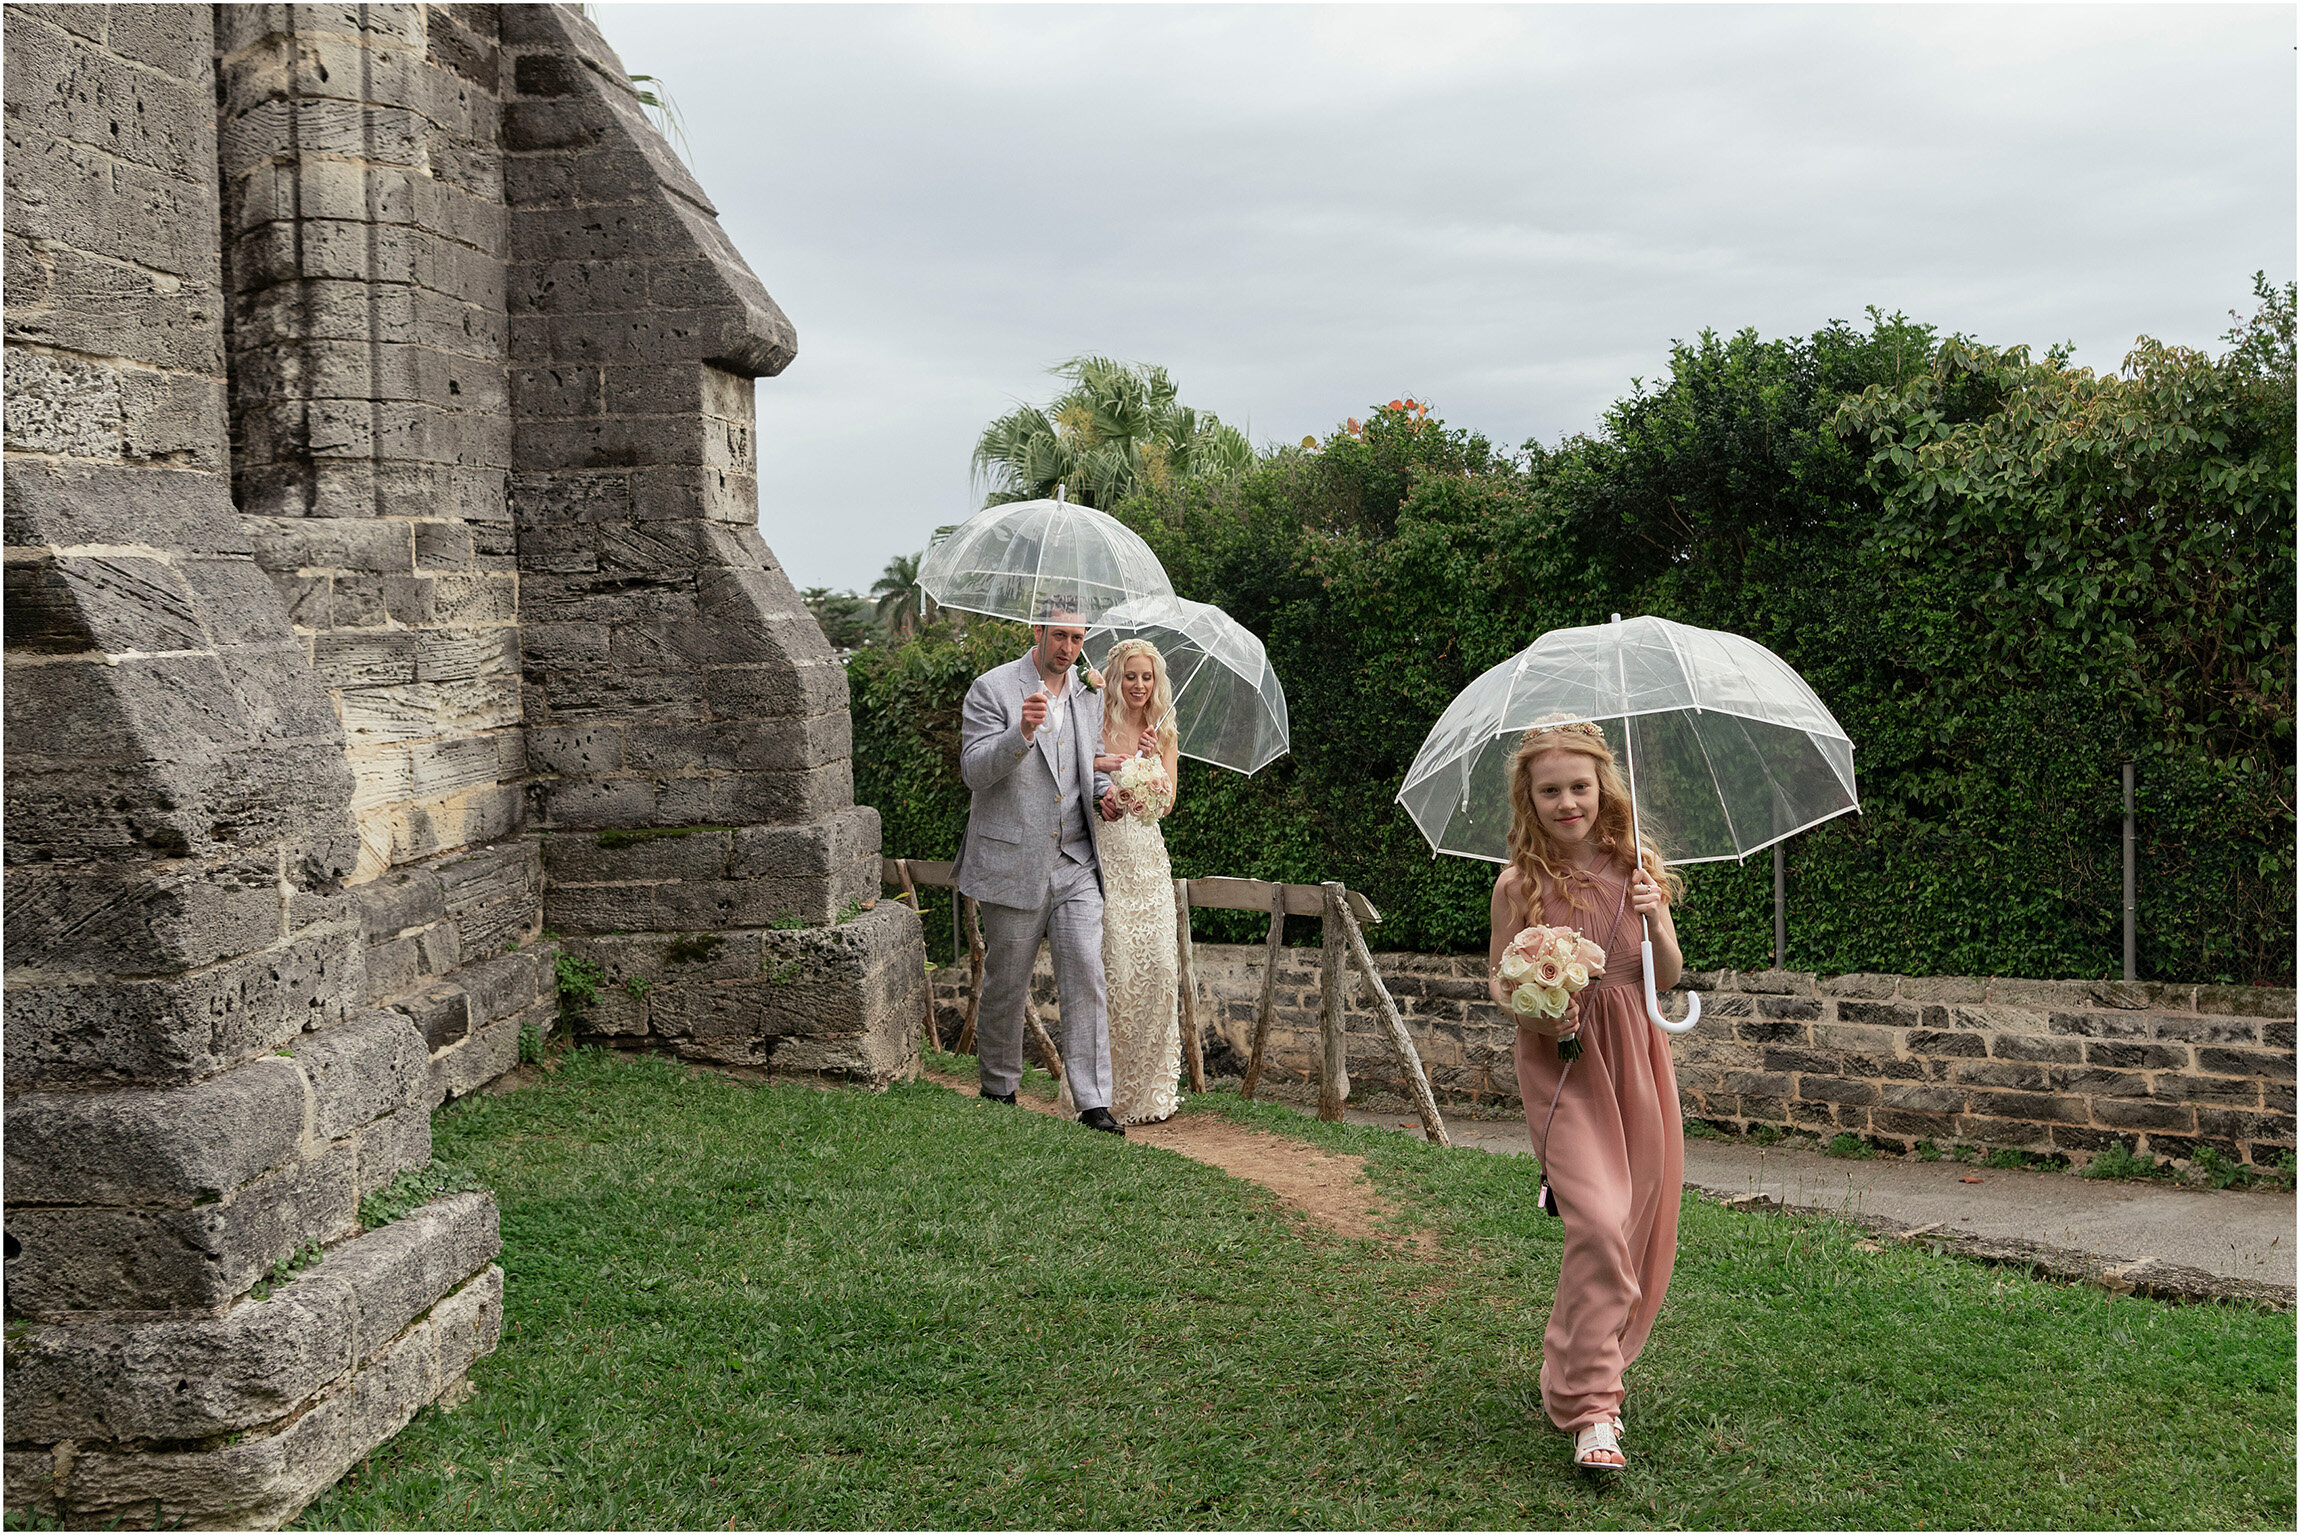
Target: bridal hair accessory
{"points": [[1552, 726], [1544, 967]]}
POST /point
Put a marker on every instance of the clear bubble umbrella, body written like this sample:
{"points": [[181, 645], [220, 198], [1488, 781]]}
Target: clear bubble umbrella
{"points": [[1011, 561], [1727, 749], [1229, 708]]}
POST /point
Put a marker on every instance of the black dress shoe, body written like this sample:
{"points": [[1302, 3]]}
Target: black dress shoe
{"points": [[1005, 1098], [1099, 1119]]}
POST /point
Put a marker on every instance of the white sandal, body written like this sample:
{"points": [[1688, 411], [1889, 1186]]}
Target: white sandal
{"points": [[1599, 1439]]}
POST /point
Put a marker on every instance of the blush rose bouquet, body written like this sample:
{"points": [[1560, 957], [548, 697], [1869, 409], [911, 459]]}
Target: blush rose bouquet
{"points": [[1543, 969], [1144, 791]]}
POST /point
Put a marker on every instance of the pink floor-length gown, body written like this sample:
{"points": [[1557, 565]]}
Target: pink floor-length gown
{"points": [[1616, 1164]]}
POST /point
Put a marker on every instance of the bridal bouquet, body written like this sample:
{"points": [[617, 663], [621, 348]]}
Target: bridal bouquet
{"points": [[1144, 791], [1544, 967]]}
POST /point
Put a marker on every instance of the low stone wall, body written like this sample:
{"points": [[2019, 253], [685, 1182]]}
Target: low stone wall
{"points": [[2053, 1067]]}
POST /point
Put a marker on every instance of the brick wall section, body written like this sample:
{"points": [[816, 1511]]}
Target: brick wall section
{"points": [[363, 210], [2068, 1067], [687, 723]]}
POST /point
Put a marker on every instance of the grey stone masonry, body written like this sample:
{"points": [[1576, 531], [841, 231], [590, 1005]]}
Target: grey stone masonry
{"points": [[371, 432], [383, 580], [2053, 1067], [687, 725]]}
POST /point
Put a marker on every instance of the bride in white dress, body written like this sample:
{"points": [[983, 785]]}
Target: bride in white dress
{"points": [[1138, 935]]}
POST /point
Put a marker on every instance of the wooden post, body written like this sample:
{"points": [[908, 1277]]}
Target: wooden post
{"points": [[910, 894], [974, 973], [1276, 947], [1193, 1050], [1045, 1042], [1334, 1078], [1401, 1043]]}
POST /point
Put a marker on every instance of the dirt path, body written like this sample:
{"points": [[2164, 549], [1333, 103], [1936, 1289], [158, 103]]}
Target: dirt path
{"points": [[1327, 1187]]}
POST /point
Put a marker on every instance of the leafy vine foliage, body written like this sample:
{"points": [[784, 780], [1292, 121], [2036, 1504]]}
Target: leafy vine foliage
{"points": [[2006, 576]]}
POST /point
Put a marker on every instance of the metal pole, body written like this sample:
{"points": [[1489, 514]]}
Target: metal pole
{"points": [[1780, 909], [2131, 905]]}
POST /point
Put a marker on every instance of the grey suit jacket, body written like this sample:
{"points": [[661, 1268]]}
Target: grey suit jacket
{"points": [[1010, 850]]}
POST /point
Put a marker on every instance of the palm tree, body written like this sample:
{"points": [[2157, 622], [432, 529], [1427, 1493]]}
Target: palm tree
{"points": [[1117, 429], [900, 605]]}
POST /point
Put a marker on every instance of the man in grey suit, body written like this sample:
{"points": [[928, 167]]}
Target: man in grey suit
{"points": [[1028, 736]]}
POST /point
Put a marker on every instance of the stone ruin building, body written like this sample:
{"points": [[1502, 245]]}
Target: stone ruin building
{"points": [[384, 593]]}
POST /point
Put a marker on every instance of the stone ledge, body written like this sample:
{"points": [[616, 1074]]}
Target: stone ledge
{"points": [[264, 1480], [255, 1364]]}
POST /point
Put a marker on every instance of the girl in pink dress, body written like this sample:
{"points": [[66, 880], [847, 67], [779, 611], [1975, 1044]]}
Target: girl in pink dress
{"points": [[1606, 1125]]}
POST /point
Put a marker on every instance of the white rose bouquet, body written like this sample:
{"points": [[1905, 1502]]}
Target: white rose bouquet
{"points": [[1144, 790], [1543, 968]]}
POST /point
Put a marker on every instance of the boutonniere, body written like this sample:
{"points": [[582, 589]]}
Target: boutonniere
{"points": [[1089, 678]]}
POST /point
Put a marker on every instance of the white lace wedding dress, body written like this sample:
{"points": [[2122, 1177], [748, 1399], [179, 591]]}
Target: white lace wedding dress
{"points": [[1138, 964]]}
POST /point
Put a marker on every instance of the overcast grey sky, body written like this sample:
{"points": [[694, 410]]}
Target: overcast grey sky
{"points": [[1507, 211]]}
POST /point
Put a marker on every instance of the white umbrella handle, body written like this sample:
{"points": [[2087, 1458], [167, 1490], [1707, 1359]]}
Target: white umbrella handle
{"points": [[1653, 1000], [1637, 862]]}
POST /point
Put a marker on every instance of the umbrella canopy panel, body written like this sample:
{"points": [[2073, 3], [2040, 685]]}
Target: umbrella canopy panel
{"points": [[1733, 750], [1229, 708], [1013, 561]]}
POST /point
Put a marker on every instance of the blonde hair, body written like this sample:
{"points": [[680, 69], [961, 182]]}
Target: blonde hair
{"points": [[1534, 853], [1161, 690]]}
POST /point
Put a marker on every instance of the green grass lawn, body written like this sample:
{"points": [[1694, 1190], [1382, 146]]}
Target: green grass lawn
{"points": [[773, 1306]]}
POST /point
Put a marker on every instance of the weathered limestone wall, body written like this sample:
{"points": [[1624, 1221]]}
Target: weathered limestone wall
{"points": [[280, 834], [196, 1091], [2068, 1067], [363, 207], [687, 723]]}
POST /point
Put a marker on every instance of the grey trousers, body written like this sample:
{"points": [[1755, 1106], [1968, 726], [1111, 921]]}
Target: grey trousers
{"points": [[1071, 920]]}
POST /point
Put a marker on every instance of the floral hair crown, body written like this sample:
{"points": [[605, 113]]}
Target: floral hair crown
{"points": [[1550, 726]]}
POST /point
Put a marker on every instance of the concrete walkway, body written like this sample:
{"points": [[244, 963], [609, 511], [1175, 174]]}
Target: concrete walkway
{"points": [[2186, 1244]]}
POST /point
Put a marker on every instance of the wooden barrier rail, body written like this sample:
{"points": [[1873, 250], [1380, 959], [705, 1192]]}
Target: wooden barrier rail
{"points": [[1343, 942]]}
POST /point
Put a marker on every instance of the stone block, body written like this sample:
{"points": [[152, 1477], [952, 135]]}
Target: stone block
{"points": [[1938, 1042], [259, 1482], [1913, 1125], [2275, 1033], [2210, 1030], [2098, 1082], [501, 987], [177, 1147], [170, 1260], [183, 1379], [1787, 1007], [128, 1031], [2101, 1025], [394, 1273], [2268, 1065], [1883, 1015], [637, 855], [2246, 1001], [2031, 1047], [1921, 1098], [391, 1145], [2230, 1092], [2026, 1075], [1845, 1090], [1789, 983], [1772, 1031], [2126, 1055], [1881, 1042], [2264, 1133], [1943, 988], [2046, 1108], [368, 1066], [2141, 1114], [1863, 985], [474, 1062], [1982, 1130]]}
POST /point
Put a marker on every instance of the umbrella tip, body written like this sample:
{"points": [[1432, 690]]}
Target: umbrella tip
{"points": [[1060, 490], [1617, 618]]}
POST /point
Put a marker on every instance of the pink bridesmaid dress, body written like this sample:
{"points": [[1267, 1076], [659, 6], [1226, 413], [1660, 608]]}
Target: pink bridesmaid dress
{"points": [[1615, 1159]]}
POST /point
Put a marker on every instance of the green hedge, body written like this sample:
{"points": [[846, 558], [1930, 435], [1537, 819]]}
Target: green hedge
{"points": [[2005, 578]]}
